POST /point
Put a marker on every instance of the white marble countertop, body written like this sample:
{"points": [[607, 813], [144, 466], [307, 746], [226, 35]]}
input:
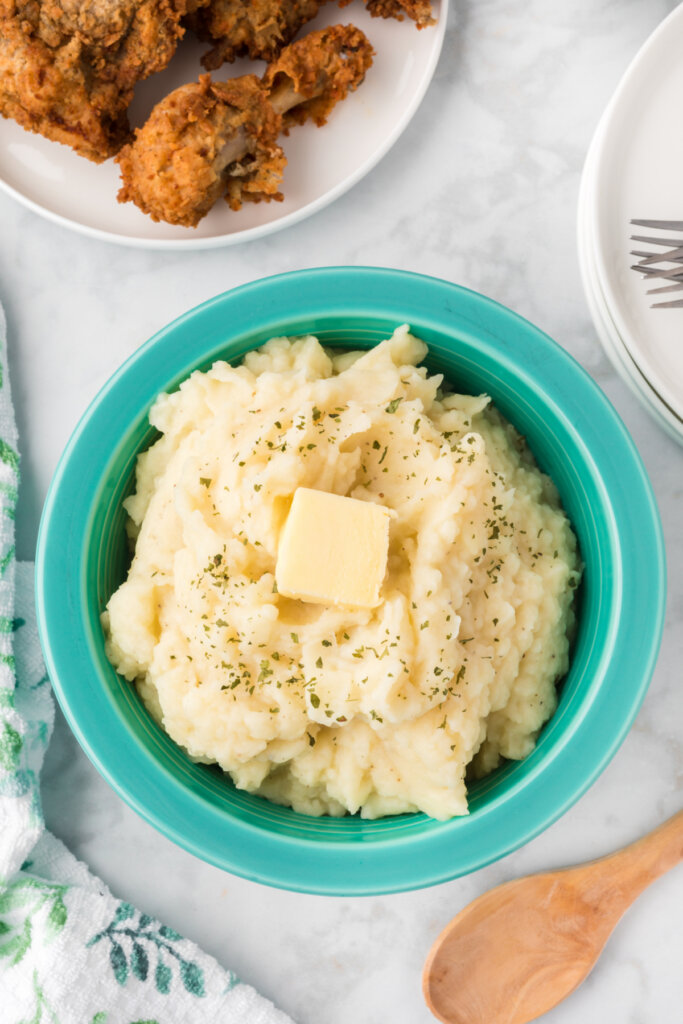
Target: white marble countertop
{"points": [[481, 189]]}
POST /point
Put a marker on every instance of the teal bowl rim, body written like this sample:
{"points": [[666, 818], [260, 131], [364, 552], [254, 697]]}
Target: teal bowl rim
{"points": [[556, 774]]}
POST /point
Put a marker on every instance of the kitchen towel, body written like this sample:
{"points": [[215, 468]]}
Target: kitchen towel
{"points": [[70, 952]]}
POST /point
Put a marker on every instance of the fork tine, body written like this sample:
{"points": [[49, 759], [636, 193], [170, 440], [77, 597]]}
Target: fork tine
{"points": [[651, 264], [666, 288], [649, 240], [654, 272], [669, 225], [672, 256]]}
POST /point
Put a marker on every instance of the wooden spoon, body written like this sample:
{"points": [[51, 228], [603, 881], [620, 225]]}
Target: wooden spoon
{"points": [[518, 950]]}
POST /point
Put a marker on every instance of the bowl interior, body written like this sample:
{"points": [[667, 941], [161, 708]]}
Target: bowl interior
{"points": [[470, 368]]}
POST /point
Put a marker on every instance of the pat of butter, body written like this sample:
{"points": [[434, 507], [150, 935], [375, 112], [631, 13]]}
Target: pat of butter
{"points": [[333, 550]]}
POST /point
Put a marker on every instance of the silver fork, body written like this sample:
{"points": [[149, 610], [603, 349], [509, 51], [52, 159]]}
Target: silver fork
{"points": [[654, 265]]}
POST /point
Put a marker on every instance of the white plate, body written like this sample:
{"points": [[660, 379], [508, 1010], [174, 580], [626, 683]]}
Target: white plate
{"points": [[638, 162], [322, 162], [620, 357], [614, 347]]}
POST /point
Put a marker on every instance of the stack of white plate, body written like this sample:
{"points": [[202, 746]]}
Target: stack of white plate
{"points": [[634, 170]]}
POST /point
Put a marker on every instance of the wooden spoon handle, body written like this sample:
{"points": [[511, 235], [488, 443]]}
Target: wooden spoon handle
{"points": [[633, 868]]}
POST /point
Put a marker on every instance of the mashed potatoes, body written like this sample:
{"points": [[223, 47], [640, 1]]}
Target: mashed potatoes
{"points": [[329, 709]]}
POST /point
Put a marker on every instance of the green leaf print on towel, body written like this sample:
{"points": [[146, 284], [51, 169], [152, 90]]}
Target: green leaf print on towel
{"points": [[99, 1018], [132, 945], [20, 905], [6, 560], [8, 625], [8, 455], [44, 1011], [10, 748]]}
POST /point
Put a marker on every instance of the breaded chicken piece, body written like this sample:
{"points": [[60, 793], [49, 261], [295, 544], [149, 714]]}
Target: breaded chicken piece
{"points": [[48, 91], [180, 162], [68, 69], [313, 74], [253, 28], [419, 10], [211, 139]]}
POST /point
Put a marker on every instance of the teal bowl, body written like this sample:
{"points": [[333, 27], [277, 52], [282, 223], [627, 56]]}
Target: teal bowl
{"points": [[576, 437]]}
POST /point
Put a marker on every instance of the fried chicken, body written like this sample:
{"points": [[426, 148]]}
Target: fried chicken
{"points": [[254, 28], [48, 91], [312, 75], [260, 28], [68, 69], [209, 139], [181, 162], [419, 10]]}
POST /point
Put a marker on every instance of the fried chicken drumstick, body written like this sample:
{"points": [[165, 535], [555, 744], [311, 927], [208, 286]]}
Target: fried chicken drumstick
{"points": [[68, 68], [212, 139]]}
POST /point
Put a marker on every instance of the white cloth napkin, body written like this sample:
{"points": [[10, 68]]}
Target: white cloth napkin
{"points": [[70, 952]]}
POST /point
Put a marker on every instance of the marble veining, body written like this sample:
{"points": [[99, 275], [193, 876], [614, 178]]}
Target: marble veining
{"points": [[481, 189]]}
